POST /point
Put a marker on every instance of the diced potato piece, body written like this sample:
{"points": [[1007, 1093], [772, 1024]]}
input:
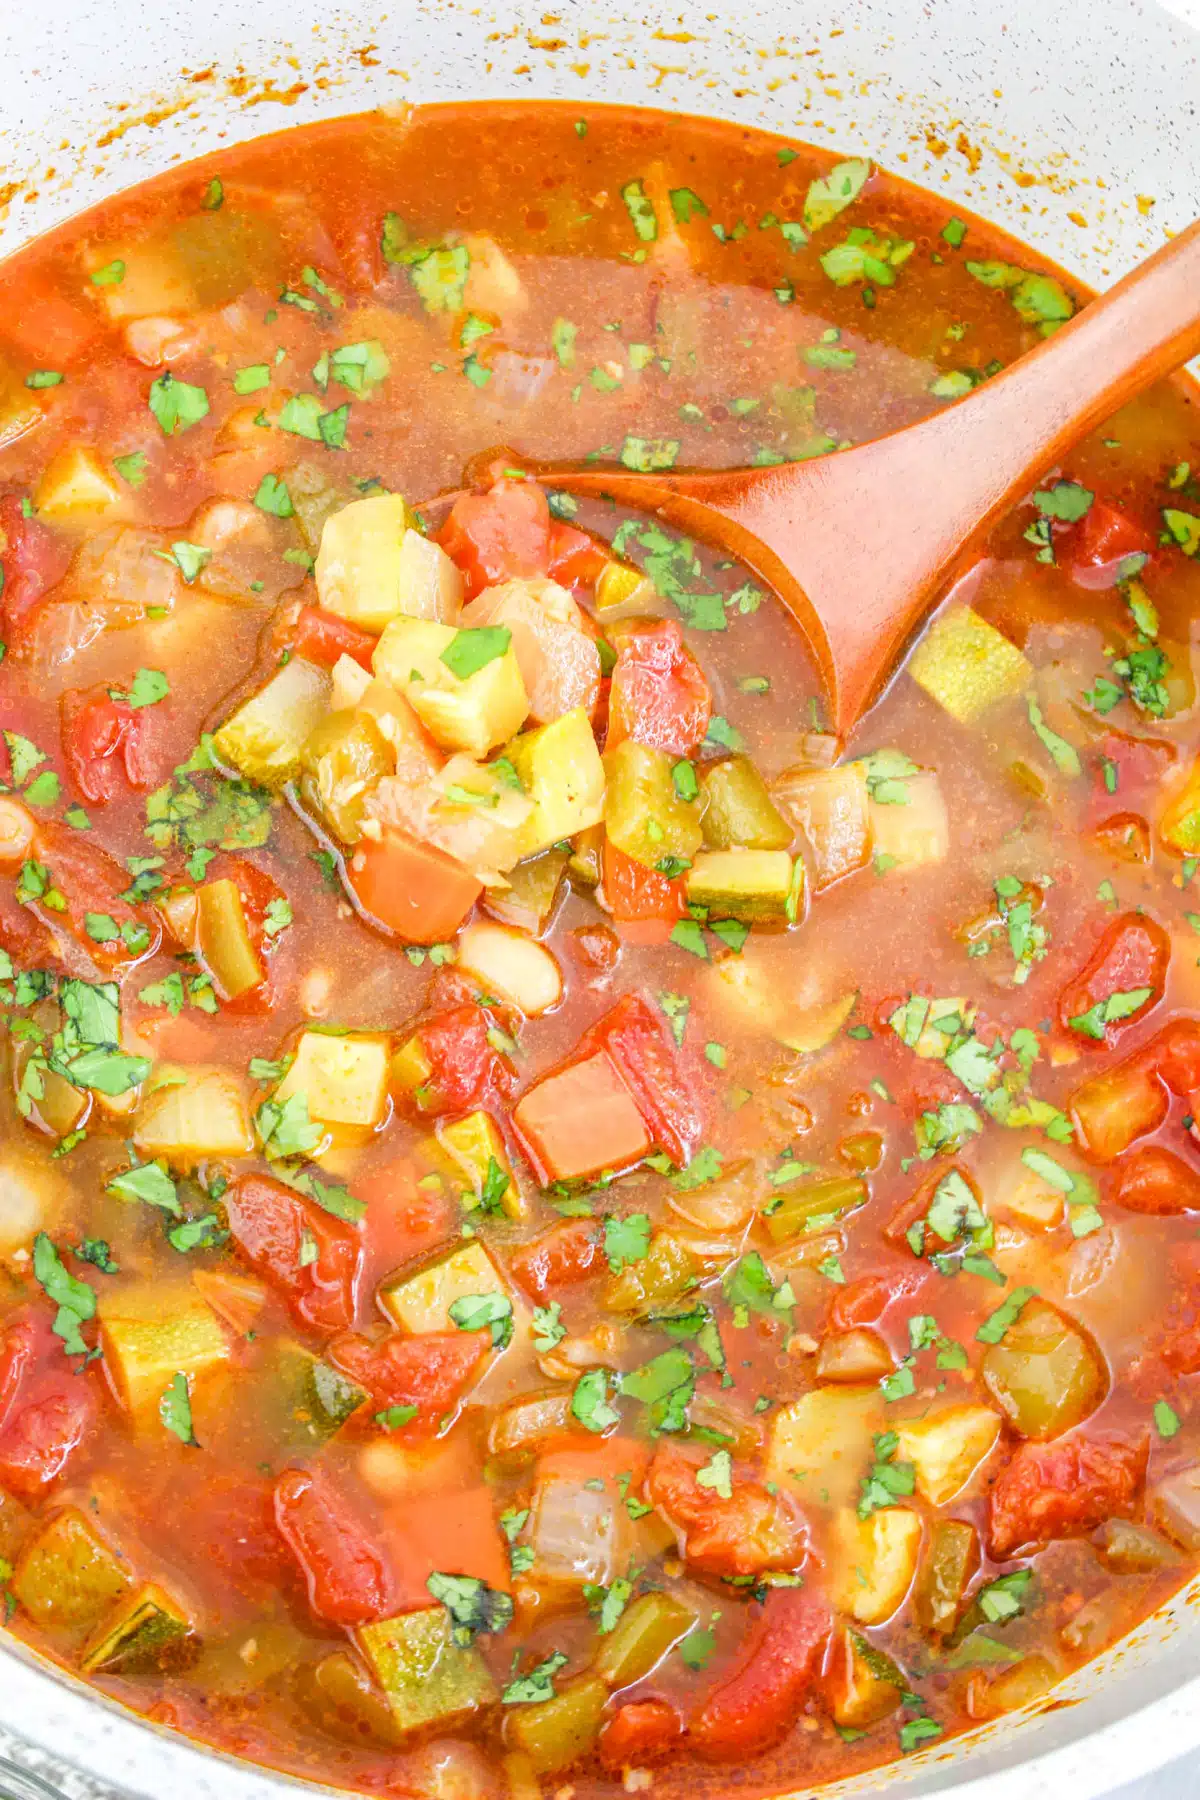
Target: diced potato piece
{"points": [[580, 1121], [77, 485], [349, 684], [430, 583], [821, 1443], [421, 1302], [741, 884], [512, 966], [832, 808], [193, 1112], [152, 1333], [966, 665], [1179, 826], [223, 939], [265, 737], [149, 1630], [475, 713], [739, 813], [359, 564], [555, 1733], [1045, 1374], [340, 1697], [344, 1077], [946, 1447], [577, 1532], [427, 1678], [530, 900], [471, 1146], [916, 832], [643, 815], [561, 771], [860, 1684], [858, 1355], [641, 1638], [872, 1561], [68, 1577], [1022, 1197], [343, 762], [948, 1566]]}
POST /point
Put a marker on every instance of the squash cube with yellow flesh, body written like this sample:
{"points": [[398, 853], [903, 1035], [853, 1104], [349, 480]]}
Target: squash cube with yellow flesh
{"points": [[872, 1561], [464, 686], [265, 738], [821, 1443], [915, 832], [563, 775], [223, 939], [422, 1301], [967, 666], [151, 1334], [946, 1447], [428, 1679], [359, 564], [472, 1147], [860, 1684], [344, 1077], [68, 1578], [1045, 1373], [832, 809], [743, 884], [192, 1112], [148, 1631], [77, 485]]}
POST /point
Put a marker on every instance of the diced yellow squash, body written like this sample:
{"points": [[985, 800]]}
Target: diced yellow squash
{"points": [[946, 1447], [428, 1679], [192, 1112], [555, 1733], [914, 833], [148, 1631], [341, 1698], [966, 665], [77, 485], [265, 737], [739, 813], [348, 684], [585, 864], [16, 1526], [475, 713], [530, 900], [1025, 1682], [473, 1148], [821, 1443], [1179, 826], [1045, 1374], [512, 966], [421, 1301], [667, 1271], [55, 1105], [641, 1638], [872, 1561], [343, 762], [152, 1333], [343, 1076], [67, 1577], [949, 1563], [622, 587], [643, 815], [860, 1684], [741, 884], [832, 809], [563, 775], [358, 567], [223, 939], [411, 1068]]}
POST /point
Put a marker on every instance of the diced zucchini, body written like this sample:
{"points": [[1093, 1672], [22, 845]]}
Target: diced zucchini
{"points": [[67, 1578], [861, 1685], [193, 1112], [641, 1638], [832, 808], [916, 832], [948, 1566], [585, 865], [821, 1443], [813, 1205], [421, 1302], [77, 485], [620, 586], [967, 666], [946, 1447], [667, 1270], [427, 1679], [342, 762], [339, 1695], [265, 738], [314, 498], [814, 1028], [320, 1397], [643, 815], [511, 965], [577, 1532], [343, 1076], [561, 771], [1045, 1374], [1179, 826], [471, 1146], [223, 939], [738, 811], [858, 1355], [148, 1631], [872, 1561], [555, 1733], [358, 566], [152, 1333], [531, 898], [741, 884], [475, 713]]}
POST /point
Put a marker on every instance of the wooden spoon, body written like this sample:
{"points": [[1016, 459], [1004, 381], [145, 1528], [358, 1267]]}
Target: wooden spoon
{"points": [[860, 544]]}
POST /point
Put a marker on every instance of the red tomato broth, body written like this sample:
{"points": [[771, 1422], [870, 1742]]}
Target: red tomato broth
{"points": [[732, 314]]}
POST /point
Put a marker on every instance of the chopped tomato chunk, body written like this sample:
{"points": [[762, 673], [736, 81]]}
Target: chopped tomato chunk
{"points": [[1155, 1180], [111, 747], [276, 1228], [499, 536], [46, 1408], [465, 1069], [659, 696], [575, 556], [91, 882], [321, 637], [1065, 1489], [635, 1035], [349, 1582], [751, 1531], [1094, 547], [1121, 980], [755, 1705], [579, 1121], [455, 1533], [411, 888], [864, 1302], [640, 1732], [428, 1371], [562, 1257], [33, 559], [1175, 1055], [644, 903]]}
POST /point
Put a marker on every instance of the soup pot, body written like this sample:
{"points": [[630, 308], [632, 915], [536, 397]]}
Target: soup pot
{"points": [[1072, 123]]}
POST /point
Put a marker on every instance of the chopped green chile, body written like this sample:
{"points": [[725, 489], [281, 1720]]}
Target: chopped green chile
{"points": [[540, 1191]]}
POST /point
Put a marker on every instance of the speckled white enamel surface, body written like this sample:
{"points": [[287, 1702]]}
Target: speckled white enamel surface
{"points": [[1073, 123]]}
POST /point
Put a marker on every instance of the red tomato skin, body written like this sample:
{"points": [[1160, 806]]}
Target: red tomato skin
{"points": [[41, 1437], [1064, 1489], [91, 881], [751, 1531], [18, 1349], [1175, 1055], [348, 1580], [562, 1257], [269, 1221], [865, 1301], [1133, 953], [1155, 1181], [321, 637], [639, 1732], [755, 1705], [644, 903], [110, 747], [428, 1371], [33, 559], [499, 536], [576, 559], [1092, 548], [659, 696], [665, 1091], [467, 1071]]}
